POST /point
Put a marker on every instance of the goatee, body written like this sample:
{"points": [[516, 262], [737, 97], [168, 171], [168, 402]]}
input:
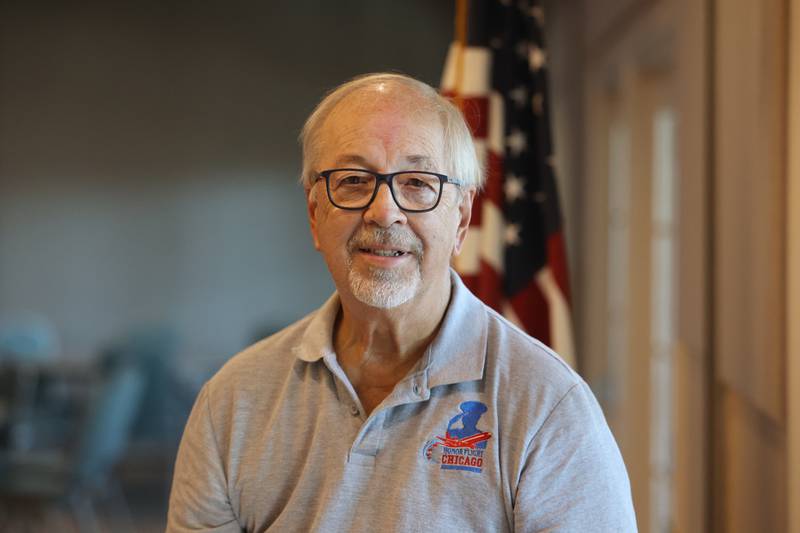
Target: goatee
{"points": [[385, 288]]}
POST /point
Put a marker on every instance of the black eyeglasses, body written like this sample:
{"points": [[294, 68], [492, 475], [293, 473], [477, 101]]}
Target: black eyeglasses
{"points": [[413, 191]]}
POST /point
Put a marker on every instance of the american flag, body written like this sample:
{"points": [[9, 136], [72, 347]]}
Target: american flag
{"points": [[514, 256]]}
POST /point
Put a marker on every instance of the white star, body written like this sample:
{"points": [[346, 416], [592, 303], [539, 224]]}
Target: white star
{"points": [[518, 95], [512, 235], [516, 142], [537, 102], [514, 188], [536, 58]]}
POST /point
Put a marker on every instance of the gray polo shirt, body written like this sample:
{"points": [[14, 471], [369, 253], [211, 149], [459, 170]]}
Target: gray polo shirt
{"points": [[490, 432]]}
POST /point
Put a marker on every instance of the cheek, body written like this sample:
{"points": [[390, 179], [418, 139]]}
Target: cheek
{"points": [[441, 236], [333, 231]]}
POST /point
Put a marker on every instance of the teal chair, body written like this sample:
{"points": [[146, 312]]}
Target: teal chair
{"points": [[33, 484]]}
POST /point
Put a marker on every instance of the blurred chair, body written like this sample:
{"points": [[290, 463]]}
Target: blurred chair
{"points": [[28, 337], [32, 483], [27, 341]]}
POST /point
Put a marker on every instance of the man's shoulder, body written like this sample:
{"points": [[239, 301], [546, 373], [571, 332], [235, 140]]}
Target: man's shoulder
{"points": [[263, 362], [516, 354]]}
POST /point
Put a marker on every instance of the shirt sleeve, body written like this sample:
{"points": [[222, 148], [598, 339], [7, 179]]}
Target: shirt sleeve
{"points": [[573, 478], [199, 497]]}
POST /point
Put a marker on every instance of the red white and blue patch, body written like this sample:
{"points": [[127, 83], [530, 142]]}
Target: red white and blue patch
{"points": [[463, 444]]}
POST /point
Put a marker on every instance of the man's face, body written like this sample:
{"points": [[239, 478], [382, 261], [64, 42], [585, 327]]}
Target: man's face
{"points": [[382, 256]]}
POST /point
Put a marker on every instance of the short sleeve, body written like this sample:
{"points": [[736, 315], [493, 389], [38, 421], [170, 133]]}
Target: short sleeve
{"points": [[573, 478], [199, 497]]}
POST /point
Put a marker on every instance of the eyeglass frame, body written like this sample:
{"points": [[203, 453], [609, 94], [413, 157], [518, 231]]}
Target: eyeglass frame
{"points": [[387, 178]]}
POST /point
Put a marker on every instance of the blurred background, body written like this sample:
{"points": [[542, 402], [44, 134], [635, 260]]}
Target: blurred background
{"points": [[151, 226]]}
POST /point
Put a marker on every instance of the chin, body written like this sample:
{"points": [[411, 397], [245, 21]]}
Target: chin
{"points": [[384, 290]]}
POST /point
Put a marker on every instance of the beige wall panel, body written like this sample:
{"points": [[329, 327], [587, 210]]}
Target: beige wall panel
{"points": [[749, 128], [605, 17], [793, 269], [689, 489], [641, 96], [592, 270], [753, 495], [690, 415]]}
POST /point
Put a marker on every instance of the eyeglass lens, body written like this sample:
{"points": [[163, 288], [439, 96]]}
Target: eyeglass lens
{"points": [[412, 190]]}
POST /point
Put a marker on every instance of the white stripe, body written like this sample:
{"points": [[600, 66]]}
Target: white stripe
{"points": [[468, 262], [496, 113], [561, 339], [475, 72], [492, 227], [511, 315]]}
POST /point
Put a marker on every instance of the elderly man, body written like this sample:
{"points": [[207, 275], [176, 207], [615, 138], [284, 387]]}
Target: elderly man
{"points": [[403, 403]]}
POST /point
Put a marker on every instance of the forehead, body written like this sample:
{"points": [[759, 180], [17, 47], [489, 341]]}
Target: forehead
{"points": [[383, 130]]}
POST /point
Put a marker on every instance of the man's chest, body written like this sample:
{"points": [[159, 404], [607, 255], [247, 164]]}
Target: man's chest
{"points": [[408, 462]]}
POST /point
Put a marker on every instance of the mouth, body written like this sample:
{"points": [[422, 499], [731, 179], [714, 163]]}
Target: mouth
{"points": [[383, 252]]}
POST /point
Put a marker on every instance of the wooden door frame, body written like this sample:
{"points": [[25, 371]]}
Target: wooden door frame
{"points": [[793, 269]]}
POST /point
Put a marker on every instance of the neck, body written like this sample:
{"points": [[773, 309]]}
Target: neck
{"points": [[377, 347]]}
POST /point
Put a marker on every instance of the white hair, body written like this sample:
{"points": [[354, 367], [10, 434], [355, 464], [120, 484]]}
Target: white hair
{"points": [[460, 156]]}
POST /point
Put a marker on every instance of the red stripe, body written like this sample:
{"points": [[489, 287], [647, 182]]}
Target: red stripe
{"points": [[494, 179], [471, 281], [557, 260], [477, 211], [531, 307], [475, 110], [490, 286]]}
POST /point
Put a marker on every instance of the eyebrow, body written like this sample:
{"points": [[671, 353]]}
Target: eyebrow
{"points": [[351, 159], [423, 161]]}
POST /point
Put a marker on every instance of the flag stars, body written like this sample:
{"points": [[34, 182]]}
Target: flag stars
{"points": [[516, 142], [514, 188], [519, 94], [511, 236], [536, 58]]}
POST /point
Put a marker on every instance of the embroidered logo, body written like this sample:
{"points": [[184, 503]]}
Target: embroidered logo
{"points": [[463, 444]]}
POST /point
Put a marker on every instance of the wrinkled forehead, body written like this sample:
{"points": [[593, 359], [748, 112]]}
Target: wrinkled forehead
{"points": [[397, 120], [385, 99]]}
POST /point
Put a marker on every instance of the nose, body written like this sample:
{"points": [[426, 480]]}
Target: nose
{"points": [[383, 210]]}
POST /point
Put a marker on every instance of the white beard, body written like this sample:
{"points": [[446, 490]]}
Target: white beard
{"points": [[385, 288]]}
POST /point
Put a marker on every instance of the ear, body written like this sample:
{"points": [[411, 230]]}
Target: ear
{"points": [[464, 214], [312, 205]]}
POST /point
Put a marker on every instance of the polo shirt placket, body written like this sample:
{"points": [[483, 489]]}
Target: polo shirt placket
{"points": [[369, 438]]}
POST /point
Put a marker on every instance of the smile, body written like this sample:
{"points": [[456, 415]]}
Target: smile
{"points": [[383, 253]]}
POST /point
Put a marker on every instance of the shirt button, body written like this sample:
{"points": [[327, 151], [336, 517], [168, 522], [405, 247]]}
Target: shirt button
{"points": [[354, 409]]}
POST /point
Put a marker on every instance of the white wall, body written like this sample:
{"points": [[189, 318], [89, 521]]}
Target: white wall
{"points": [[148, 158]]}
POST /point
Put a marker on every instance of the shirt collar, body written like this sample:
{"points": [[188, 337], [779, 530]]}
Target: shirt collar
{"points": [[456, 354]]}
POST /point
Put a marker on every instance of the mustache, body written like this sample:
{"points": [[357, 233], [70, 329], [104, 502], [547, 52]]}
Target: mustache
{"points": [[402, 239]]}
